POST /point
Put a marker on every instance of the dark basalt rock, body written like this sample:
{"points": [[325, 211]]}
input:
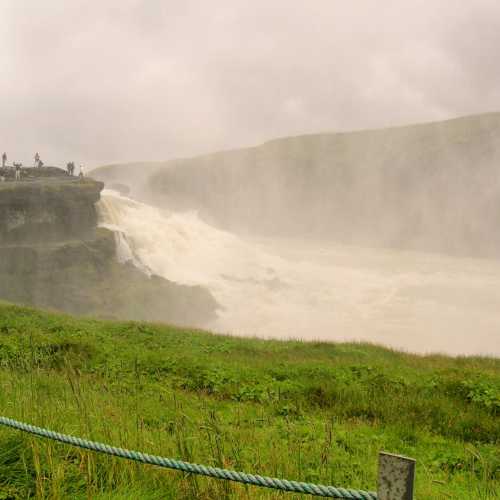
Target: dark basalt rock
{"points": [[48, 209], [52, 255]]}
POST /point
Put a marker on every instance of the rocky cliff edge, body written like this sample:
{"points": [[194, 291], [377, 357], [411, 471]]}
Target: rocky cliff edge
{"points": [[53, 255]]}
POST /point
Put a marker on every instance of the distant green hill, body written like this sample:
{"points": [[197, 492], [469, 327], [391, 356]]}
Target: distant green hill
{"points": [[309, 411]]}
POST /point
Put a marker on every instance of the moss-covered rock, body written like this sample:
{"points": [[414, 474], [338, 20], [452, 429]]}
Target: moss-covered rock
{"points": [[48, 209], [52, 255], [83, 277]]}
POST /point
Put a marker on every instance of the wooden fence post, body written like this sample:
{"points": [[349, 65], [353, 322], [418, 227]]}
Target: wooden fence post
{"points": [[396, 475]]}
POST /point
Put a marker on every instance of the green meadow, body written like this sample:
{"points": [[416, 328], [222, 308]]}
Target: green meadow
{"points": [[315, 412]]}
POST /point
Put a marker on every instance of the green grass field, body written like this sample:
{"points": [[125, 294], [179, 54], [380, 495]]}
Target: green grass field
{"points": [[312, 412]]}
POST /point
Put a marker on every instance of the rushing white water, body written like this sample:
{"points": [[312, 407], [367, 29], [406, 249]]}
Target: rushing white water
{"points": [[291, 289]]}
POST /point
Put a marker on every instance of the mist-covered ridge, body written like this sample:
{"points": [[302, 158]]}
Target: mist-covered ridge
{"points": [[433, 186]]}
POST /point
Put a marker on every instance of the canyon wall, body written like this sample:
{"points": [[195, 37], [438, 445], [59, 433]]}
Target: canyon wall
{"points": [[431, 187], [53, 255]]}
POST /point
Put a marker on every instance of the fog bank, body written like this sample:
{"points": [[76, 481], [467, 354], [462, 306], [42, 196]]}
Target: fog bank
{"points": [[285, 289], [431, 187]]}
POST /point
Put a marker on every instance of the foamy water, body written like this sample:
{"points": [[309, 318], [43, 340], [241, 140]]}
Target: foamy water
{"points": [[292, 289]]}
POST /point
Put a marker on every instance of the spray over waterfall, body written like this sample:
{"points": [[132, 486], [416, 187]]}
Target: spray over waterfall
{"points": [[271, 288]]}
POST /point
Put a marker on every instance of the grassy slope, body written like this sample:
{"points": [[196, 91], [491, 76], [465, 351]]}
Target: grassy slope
{"points": [[308, 411]]}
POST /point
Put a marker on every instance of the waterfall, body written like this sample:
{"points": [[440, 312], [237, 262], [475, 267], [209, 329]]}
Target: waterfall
{"points": [[296, 289], [109, 216]]}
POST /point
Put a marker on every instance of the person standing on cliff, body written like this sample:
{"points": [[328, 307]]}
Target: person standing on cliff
{"points": [[18, 171], [4, 159], [37, 160]]}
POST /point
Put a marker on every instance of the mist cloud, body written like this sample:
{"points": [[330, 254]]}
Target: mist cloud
{"points": [[123, 80]]}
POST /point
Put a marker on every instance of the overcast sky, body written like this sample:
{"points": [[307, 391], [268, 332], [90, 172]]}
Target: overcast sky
{"points": [[123, 80]]}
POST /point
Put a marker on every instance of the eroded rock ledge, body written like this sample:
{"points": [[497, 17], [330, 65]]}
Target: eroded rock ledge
{"points": [[50, 209], [52, 255]]}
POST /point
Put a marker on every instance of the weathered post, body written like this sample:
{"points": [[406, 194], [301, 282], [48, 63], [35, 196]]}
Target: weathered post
{"points": [[396, 475]]}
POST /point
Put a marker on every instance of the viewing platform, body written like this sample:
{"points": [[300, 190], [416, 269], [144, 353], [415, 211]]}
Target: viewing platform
{"points": [[35, 174]]}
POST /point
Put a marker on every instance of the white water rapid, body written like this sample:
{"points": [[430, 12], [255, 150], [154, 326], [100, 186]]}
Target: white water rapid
{"points": [[290, 289]]}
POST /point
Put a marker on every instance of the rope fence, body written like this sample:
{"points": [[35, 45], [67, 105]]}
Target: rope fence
{"points": [[395, 473]]}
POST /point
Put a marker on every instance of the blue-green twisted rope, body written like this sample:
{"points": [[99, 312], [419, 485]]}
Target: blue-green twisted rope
{"points": [[230, 475]]}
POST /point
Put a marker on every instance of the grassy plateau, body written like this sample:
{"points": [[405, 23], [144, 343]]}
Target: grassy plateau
{"points": [[313, 412]]}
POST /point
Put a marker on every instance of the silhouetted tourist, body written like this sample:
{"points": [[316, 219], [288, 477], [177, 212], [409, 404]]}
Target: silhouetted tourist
{"points": [[4, 160], [18, 171], [37, 160], [72, 168]]}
